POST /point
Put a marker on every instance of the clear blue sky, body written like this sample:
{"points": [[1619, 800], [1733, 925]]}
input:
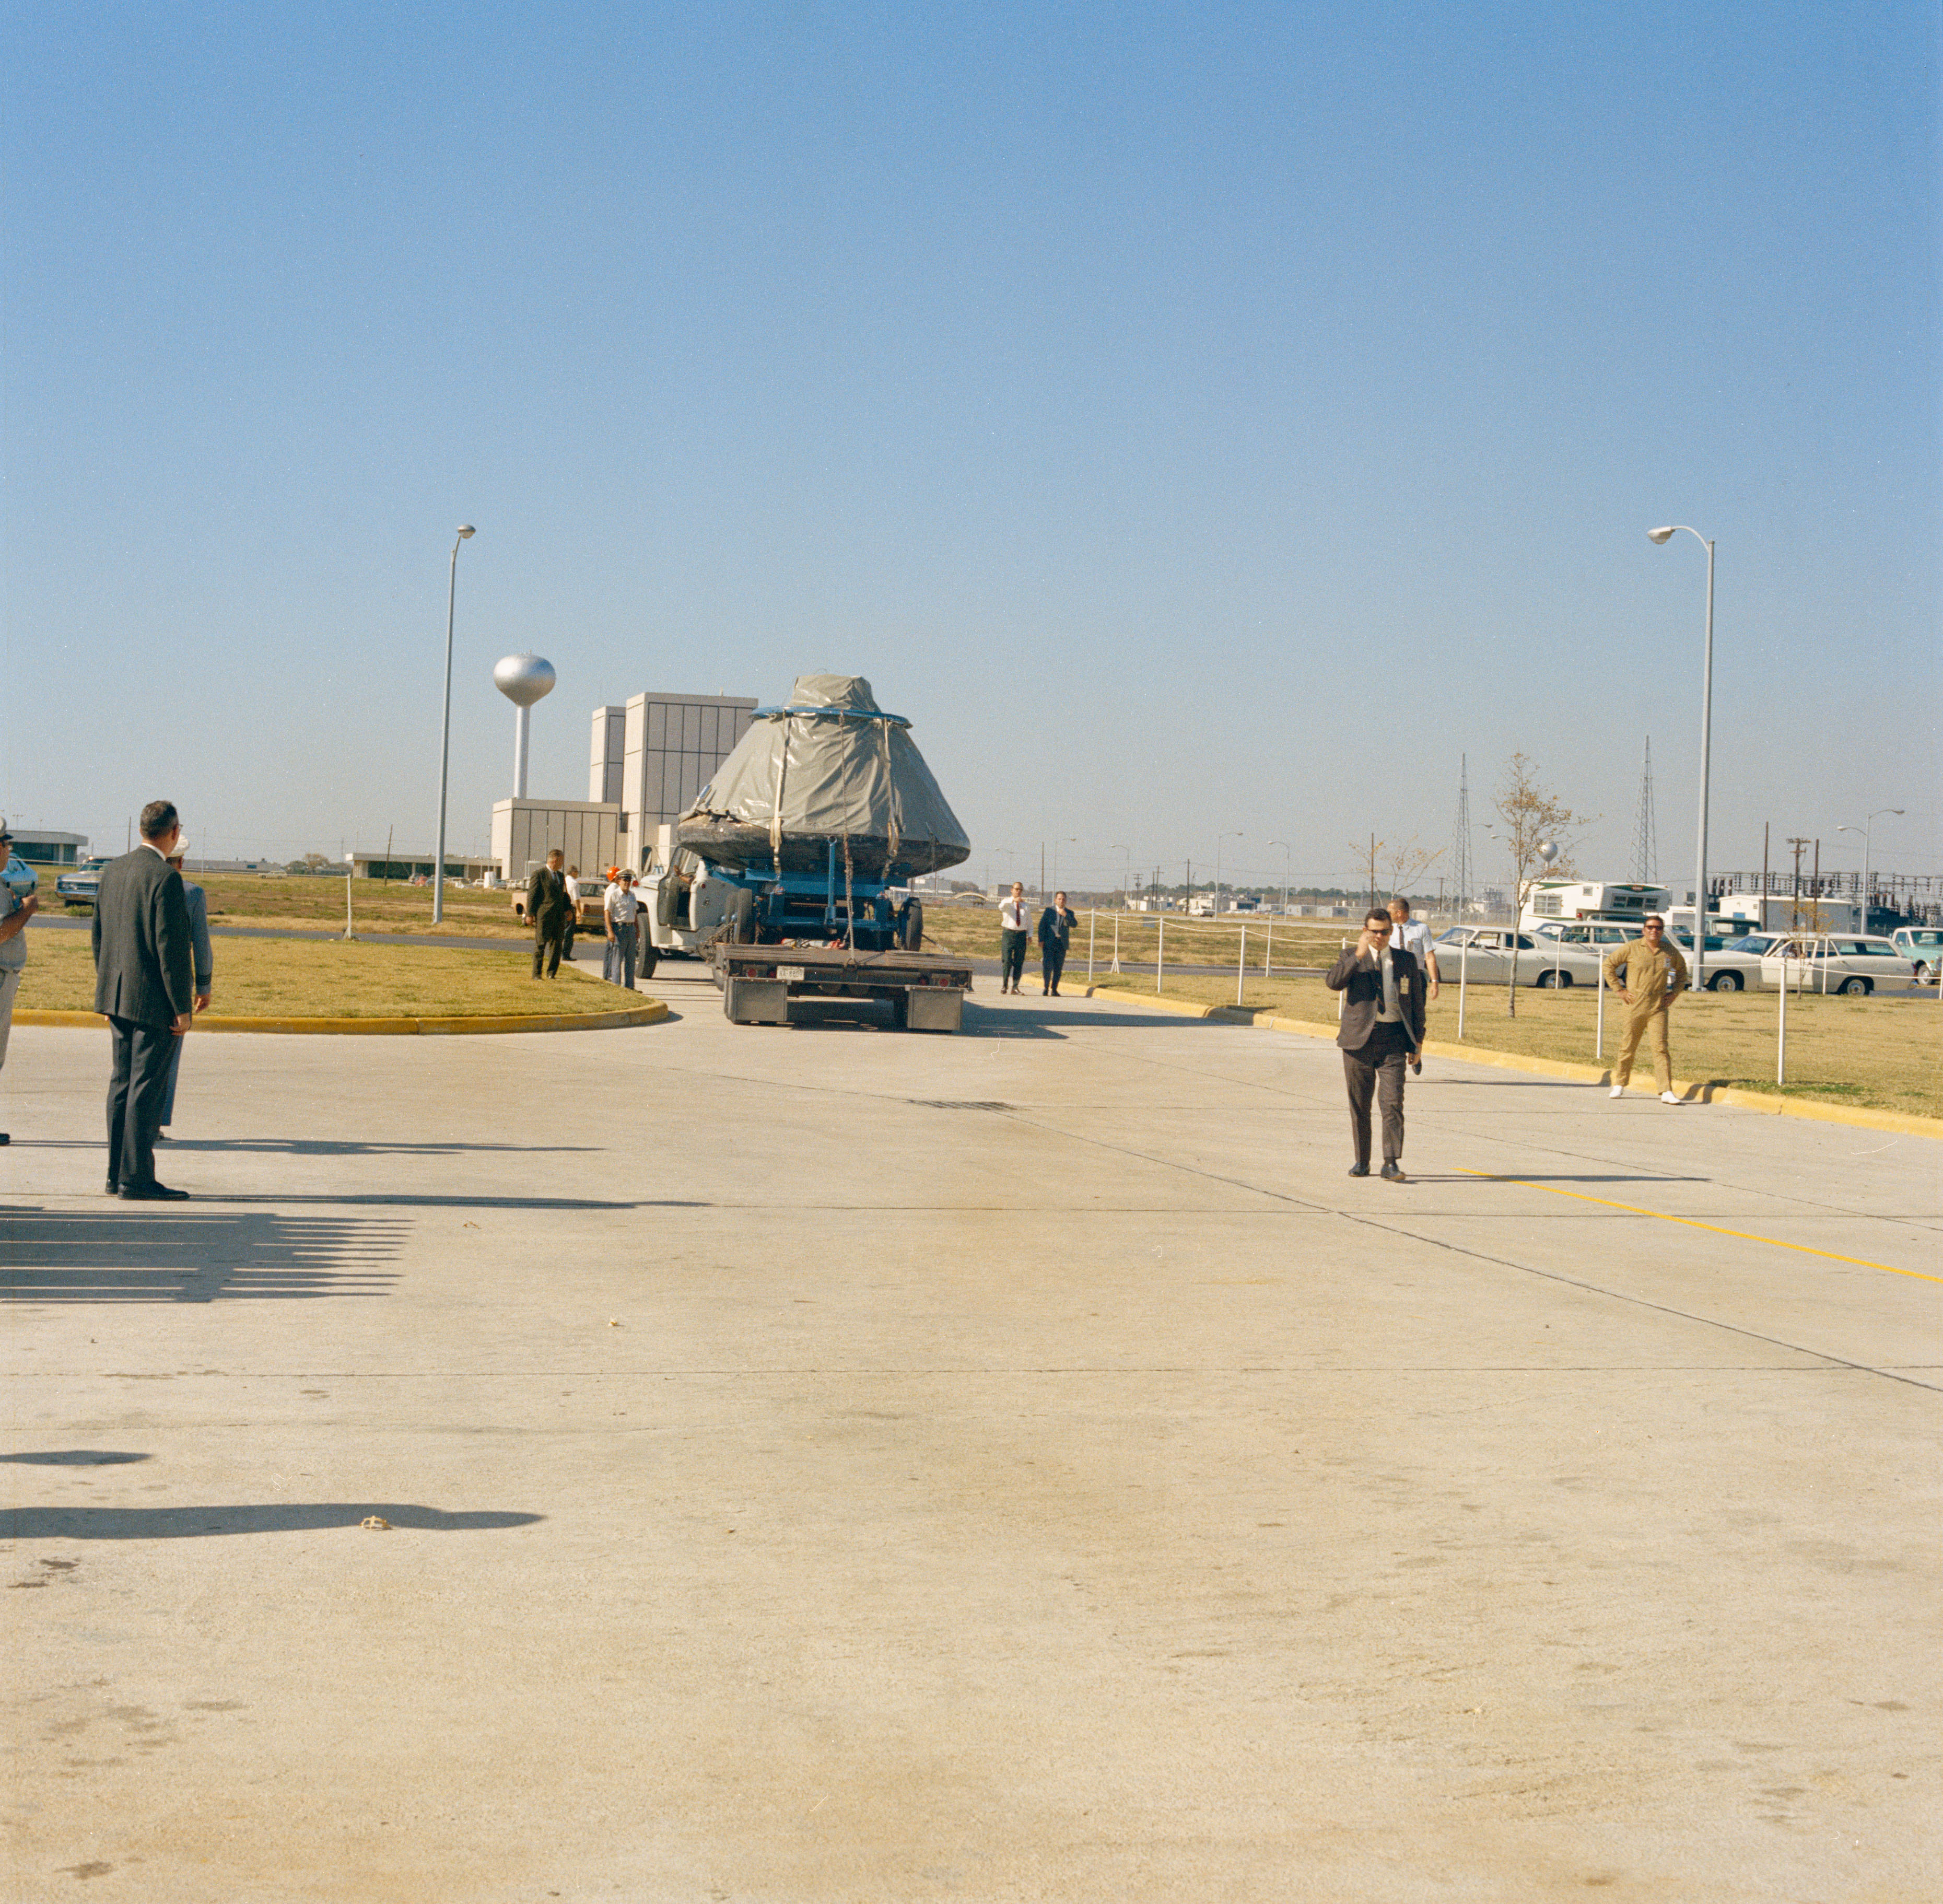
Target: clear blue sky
{"points": [[1197, 418]]}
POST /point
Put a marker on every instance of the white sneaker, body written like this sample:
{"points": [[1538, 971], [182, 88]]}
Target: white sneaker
{"points": [[1617, 1090], [1667, 1098]]}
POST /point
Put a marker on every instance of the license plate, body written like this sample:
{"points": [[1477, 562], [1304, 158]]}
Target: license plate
{"points": [[789, 972]]}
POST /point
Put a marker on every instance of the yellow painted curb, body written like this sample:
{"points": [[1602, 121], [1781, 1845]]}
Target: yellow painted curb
{"points": [[648, 1011], [1905, 1123], [1174, 1006]]}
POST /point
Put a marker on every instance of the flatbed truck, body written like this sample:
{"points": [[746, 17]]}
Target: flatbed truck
{"points": [[925, 990]]}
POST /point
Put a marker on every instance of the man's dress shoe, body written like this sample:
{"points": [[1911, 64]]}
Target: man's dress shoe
{"points": [[151, 1193]]}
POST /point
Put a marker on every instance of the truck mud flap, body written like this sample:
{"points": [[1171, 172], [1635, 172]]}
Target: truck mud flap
{"points": [[756, 1001], [933, 1008]]}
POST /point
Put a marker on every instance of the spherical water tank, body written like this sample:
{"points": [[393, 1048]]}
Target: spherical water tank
{"points": [[523, 679]]}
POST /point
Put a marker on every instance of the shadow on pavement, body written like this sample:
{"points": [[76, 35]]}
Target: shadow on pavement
{"points": [[305, 1147], [387, 1199], [74, 1457], [175, 1255], [276, 1517]]}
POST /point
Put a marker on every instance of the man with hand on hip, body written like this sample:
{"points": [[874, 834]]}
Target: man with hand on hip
{"points": [[1649, 973], [145, 986], [1382, 1025]]}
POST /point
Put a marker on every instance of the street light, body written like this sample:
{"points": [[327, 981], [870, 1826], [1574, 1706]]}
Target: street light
{"points": [[465, 534], [1663, 536], [1218, 838], [1286, 850], [1869, 840]]}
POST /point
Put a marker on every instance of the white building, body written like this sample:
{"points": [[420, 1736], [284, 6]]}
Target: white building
{"points": [[649, 760]]}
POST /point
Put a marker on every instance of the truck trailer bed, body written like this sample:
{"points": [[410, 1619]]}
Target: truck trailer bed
{"points": [[925, 990]]}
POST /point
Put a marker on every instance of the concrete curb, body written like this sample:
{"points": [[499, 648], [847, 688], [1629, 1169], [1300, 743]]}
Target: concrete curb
{"points": [[648, 1011], [1904, 1123]]}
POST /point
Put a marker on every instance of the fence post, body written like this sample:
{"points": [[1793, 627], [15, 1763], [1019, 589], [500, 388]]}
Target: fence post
{"points": [[1781, 1029], [1240, 965], [1116, 942], [1268, 957], [1599, 1041], [1092, 927], [1160, 954], [1463, 976]]}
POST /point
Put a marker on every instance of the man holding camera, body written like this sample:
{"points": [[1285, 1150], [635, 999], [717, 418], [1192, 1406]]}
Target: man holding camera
{"points": [[1382, 1027]]}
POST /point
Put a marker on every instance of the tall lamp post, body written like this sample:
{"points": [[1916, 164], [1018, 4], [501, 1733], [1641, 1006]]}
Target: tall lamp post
{"points": [[1868, 840], [1286, 851], [465, 533], [1663, 536]]}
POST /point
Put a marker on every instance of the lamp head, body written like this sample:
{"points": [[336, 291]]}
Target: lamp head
{"points": [[1659, 535], [466, 532]]}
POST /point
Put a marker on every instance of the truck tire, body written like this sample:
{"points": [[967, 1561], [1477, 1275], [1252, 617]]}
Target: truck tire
{"points": [[911, 935], [645, 965]]}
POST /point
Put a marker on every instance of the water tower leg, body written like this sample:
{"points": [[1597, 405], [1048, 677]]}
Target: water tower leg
{"points": [[521, 724]]}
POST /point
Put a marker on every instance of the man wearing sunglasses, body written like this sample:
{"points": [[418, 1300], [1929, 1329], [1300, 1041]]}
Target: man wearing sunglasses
{"points": [[1382, 1024]]}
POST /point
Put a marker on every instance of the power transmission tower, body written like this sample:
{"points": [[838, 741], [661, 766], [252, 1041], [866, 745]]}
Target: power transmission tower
{"points": [[1460, 844], [1646, 841]]}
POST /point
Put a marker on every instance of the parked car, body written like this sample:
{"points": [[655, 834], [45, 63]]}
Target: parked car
{"points": [[1922, 947], [79, 887], [1732, 964], [1484, 953], [1837, 962]]}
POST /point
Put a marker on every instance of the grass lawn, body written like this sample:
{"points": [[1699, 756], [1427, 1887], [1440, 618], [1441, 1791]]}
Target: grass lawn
{"points": [[1883, 1053], [379, 906], [316, 978]]}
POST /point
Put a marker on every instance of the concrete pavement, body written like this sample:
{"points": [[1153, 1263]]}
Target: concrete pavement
{"points": [[828, 1464]]}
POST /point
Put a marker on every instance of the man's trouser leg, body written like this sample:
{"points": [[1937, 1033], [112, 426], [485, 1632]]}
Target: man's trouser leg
{"points": [[137, 1079], [546, 949], [1011, 958], [610, 960], [168, 1116], [624, 940], [1058, 966], [1662, 1055], [1375, 1071], [1629, 1037], [10, 984]]}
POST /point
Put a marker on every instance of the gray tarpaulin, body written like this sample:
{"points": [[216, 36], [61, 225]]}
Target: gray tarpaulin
{"points": [[829, 765]]}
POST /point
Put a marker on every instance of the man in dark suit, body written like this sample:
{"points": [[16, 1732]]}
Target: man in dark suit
{"points": [[145, 983], [548, 906], [1382, 1024], [1055, 934]]}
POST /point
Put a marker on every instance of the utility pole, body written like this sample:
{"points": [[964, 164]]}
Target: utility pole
{"points": [[1762, 915], [1795, 896], [1460, 843]]}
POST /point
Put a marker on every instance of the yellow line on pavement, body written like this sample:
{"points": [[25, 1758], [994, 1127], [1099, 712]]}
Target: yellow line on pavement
{"points": [[1745, 1235]]}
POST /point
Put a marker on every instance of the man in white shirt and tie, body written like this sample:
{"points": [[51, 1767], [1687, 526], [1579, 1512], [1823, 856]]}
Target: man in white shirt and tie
{"points": [[1014, 930], [1413, 935]]}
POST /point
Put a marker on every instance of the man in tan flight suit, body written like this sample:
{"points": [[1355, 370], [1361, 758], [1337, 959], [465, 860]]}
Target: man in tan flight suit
{"points": [[1648, 974]]}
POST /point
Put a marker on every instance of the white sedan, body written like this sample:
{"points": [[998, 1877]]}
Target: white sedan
{"points": [[1484, 954], [1836, 963]]}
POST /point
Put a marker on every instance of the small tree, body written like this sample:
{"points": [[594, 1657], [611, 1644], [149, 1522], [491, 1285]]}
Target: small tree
{"points": [[1407, 863], [1532, 814]]}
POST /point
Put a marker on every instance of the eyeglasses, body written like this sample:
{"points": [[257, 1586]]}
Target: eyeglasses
{"points": [[1377, 931]]}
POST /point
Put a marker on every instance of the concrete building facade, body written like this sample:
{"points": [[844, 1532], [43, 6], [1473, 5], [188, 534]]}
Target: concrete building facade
{"points": [[651, 757], [524, 831]]}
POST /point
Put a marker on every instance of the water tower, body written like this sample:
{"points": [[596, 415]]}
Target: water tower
{"points": [[523, 680]]}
